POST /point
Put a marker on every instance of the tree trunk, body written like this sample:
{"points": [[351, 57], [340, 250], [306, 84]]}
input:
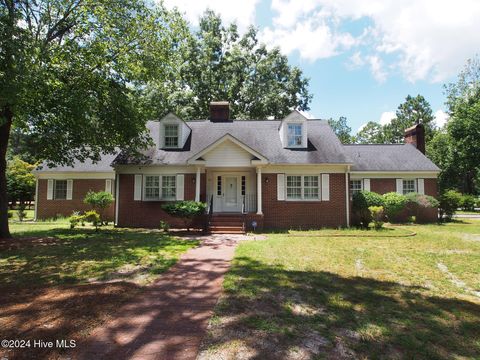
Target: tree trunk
{"points": [[6, 117]]}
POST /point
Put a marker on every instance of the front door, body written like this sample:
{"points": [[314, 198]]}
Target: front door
{"points": [[231, 198]]}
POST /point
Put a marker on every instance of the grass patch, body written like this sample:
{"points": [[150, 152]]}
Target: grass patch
{"points": [[58, 283], [348, 297]]}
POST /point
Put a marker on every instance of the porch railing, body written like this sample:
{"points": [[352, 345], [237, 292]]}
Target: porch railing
{"points": [[250, 203]]}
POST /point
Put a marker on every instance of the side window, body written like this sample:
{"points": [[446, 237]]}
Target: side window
{"points": [[60, 192], [408, 186], [355, 186]]}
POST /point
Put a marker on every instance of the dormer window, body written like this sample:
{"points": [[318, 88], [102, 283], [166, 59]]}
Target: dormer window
{"points": [[294, 135], [171, 135]]}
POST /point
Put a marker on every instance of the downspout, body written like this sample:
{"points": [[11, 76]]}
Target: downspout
{"points": [[36, 199], [347, 195], [117, 199]]}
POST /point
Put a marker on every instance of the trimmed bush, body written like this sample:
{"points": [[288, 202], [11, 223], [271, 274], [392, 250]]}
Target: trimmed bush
{"points": [[394, 203], [360, 203], [186, 210], [164, 226], [450, 201], [378, 215], [99, 201], [75, 219], [93, 217], [467, 202]]}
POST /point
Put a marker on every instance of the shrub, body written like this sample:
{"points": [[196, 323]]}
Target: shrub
{"points": [[394, 203], [165, 226], [422, 201], [186, 210], [93, 217], [378, 215], [449, 202], [21, 212], [361, 202], [75, 218], [99, 201], [467, 202]]}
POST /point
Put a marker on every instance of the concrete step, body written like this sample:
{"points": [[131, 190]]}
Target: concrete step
{"points": [[227, 232]]}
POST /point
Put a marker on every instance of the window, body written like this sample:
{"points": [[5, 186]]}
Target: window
{"points": [[408, 186], [152, 187], [169, 187], [294, 135], [160, 187], [310, 187], [243, 185], [355, 186], [171, 135], [219, 185], [294, 187], [60, 191]]}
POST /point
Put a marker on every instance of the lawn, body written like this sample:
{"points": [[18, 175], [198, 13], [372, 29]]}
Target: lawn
{"points": [[306, 297], [58, 283]]}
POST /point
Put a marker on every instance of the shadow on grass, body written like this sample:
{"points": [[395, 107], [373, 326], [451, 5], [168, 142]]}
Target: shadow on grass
{"points": [[269, 312], [64, 256]]}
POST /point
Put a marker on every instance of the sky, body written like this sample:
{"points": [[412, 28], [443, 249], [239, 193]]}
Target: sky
{"points": [[363, 57]]}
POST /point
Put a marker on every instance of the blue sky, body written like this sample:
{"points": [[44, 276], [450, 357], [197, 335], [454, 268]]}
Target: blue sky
{"points": [[363, 57]]}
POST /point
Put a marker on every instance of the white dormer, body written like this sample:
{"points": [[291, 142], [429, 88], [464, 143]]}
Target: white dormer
{"points": [[173, 132], [293, 131]]}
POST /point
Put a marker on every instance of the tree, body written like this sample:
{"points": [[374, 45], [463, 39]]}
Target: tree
{"points": [[20, 181], [413, 110], [370, 133], [216, 63], [341, 129], [99, 201], [439, 150], [70, 74]]}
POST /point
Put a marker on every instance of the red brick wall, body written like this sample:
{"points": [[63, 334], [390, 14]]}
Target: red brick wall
{"points": [[304, 214], [383, 186], [50, 208], [149, 213]]}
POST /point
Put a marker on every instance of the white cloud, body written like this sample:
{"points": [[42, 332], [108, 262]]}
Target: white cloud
{"points": [[424, 39], [386, 117], [242, 12], [441, 118]]}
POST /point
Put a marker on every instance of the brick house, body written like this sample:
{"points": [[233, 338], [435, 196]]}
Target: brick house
{"points": [[284, 173]]}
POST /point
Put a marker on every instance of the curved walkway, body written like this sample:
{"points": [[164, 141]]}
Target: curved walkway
{"points": [[170, 318]]}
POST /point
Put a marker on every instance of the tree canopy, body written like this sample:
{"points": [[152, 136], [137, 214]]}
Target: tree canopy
{"points": [[341, 129]]}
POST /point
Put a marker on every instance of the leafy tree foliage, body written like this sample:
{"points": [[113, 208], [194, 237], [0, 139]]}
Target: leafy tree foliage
{"points": [[341, 129], [20, 181], [70, 75], [371, 133], [99, 201], [413, 110], [216, 63]]}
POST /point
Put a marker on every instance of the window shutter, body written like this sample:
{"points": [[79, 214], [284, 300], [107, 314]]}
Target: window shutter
{"points": [[69, 189], [137, 193], [325, 187], [421, 186], [400, 186], [280, 187], [108, 186], [50, 189], [366, 184], [180, 186]]}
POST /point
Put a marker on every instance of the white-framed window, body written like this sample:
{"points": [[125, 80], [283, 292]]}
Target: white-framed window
{"points": [[355, 186], [409, 186], [171, 135], [160, 187], [169, 187], [303, 187], [294, 135], [60, 189]]}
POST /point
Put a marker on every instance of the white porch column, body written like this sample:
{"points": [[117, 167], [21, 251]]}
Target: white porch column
{"points": [[197, 185], [259, 191]]}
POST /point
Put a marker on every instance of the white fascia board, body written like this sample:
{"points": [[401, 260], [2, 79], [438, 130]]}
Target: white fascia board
{"points": [[74, 175], [394, 174]]}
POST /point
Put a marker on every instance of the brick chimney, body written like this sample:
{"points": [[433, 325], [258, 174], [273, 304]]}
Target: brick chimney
{"points": [[415, 135], [219, 111]]}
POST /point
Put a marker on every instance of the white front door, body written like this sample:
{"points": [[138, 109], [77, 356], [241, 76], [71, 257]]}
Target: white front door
{"points": [[231, 198]]}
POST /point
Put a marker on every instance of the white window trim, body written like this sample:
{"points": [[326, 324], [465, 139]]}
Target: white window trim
{"points": [[302, 127], [179, 135], [414, 185], [319, 198], [160, 182]]}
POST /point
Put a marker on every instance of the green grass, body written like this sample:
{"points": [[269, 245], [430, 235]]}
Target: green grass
{"points": [[59, 255], [338, 297]]}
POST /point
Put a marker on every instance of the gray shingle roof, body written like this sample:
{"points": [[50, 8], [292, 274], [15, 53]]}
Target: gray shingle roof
{"points": [[398, 157], [104, 165], [262, 136]]}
